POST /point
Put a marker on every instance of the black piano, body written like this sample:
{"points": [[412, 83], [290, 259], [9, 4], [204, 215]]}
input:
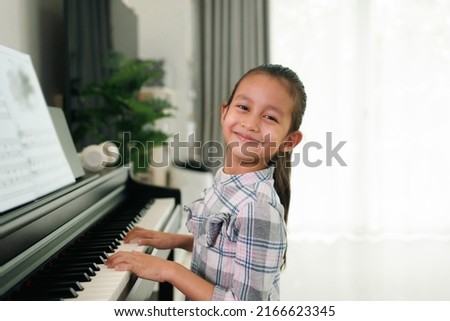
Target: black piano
{"points": [[55, 237], [54, 248]]}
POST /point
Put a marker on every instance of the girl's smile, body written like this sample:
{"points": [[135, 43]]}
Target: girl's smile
{"points": [[256, 123], [245, 138]]}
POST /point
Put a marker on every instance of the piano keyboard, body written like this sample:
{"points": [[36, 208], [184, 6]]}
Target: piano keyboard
{"points": [[79, 272]]}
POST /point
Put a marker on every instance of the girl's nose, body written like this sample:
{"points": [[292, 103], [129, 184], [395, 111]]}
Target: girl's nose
{"points": [[250, 123]]}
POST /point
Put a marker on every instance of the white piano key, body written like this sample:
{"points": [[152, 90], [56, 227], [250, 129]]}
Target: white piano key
{"points": [[163, 207], [109, 284]]}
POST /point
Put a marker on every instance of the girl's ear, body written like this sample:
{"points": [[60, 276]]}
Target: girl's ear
{"points": [[292, 140], [223, 112]]}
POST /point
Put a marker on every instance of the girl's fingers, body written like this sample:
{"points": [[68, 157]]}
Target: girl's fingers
{"points": [[118, 258], [137, 232], [123, 267]]}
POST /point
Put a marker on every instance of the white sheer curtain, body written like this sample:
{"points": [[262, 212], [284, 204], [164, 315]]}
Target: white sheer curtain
{"points": [[377, 75]]}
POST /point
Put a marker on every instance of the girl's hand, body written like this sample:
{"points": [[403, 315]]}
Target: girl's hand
{"points": [[156, 239], [154, 268], [143, 265], [159, 240]]}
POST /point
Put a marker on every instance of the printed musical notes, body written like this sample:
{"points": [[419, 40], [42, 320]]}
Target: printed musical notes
{"points": [[32, 161]]}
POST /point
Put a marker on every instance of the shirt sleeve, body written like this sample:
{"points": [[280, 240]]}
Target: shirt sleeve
{"points": [[260, 247]]}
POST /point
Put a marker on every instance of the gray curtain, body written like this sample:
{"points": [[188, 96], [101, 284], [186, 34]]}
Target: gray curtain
{"points": [[89, 41], [233, 37]]}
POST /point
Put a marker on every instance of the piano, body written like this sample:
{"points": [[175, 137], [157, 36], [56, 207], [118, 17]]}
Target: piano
{"points": [[56, 233], [54, 248]]}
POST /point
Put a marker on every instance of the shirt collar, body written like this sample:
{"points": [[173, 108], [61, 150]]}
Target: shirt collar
{"points": [[244, 179]]}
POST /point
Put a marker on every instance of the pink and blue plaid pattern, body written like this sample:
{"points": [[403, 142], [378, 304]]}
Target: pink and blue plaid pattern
{"points": [[239, 236]]}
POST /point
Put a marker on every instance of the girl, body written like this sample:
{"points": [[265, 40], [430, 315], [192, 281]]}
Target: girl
{"points": [[238, 239]]}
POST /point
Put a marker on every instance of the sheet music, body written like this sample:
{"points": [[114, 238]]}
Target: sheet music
{"points": [[32, 161]]}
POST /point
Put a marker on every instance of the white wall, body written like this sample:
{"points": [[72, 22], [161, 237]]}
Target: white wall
{"points": [[165, 31], [124, 29], [36, 28], [17, 19]]}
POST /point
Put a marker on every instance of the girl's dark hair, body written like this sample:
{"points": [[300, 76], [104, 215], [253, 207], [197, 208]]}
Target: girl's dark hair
{"points": [[282, 161]]}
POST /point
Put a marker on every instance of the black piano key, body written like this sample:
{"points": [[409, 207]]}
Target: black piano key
{"points": [[69, 276], [112, 235], [88, 265], [50, 294], [71, 269], [43, 284], [126, 222], [78, 263], [84, 258], [106, 229], [80, 252], [91, 247], [114, 243], [113, 227]]}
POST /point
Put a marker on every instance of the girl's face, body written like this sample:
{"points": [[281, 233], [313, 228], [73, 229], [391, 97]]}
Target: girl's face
{"points": [[256, 124]]}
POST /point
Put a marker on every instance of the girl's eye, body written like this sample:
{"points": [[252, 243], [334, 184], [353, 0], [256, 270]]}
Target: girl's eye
{"points": [[271, 118], [242, 107]]}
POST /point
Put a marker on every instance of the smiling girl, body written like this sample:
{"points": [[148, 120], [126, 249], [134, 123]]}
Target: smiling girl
{"points": [[238, 227]]}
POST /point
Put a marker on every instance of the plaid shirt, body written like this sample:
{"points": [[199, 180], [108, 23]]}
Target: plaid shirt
{"points": [[239, 236]]}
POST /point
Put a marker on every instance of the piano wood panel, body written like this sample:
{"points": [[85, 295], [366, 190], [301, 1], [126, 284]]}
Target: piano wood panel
{"points": [[91, 205]]}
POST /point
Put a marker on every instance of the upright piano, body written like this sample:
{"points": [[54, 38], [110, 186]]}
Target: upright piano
{"points": [[54, 248], [59, 224]]}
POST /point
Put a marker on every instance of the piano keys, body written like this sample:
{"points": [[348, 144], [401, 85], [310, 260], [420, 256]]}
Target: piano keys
{"points": [[74, 269]]}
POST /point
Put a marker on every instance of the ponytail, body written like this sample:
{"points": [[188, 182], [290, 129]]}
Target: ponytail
{"points": [[282, 181], [282, 184]]}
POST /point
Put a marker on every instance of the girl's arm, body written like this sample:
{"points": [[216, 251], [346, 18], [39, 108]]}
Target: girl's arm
{"points": [[189, 283], [161, 270]]}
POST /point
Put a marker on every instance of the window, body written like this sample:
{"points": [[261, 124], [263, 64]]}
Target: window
{"points": [[377, 75]]}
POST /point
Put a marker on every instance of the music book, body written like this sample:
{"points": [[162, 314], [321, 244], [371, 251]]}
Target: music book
{"points": [[32, 160]]}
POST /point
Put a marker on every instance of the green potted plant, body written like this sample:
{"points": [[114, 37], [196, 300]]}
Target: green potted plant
{"points": [[115, 109]]}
